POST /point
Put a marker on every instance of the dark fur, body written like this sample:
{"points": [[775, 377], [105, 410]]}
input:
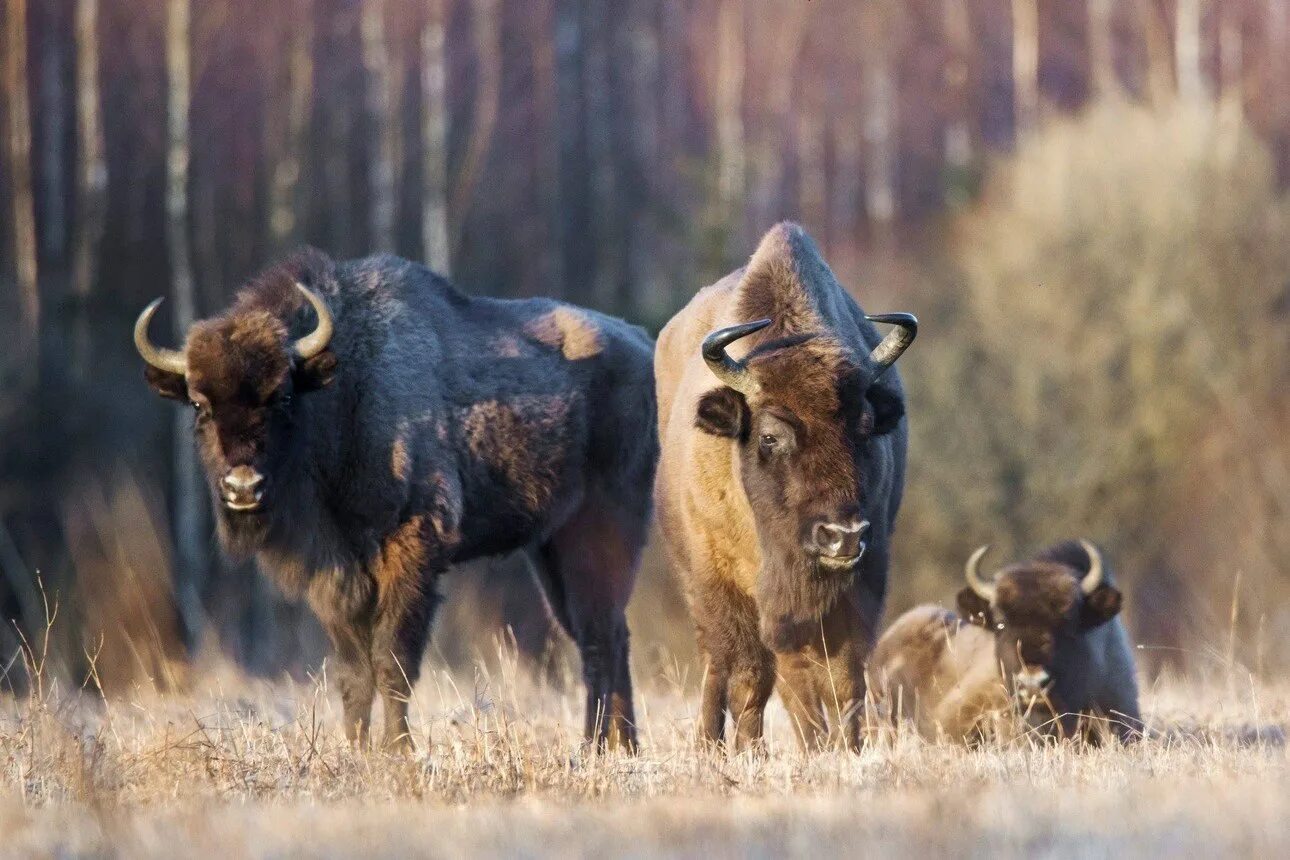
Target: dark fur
{"points": [[1080, 640], [436, 428], [840, 438]]}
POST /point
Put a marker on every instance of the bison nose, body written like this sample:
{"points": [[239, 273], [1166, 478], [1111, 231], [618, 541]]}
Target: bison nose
{"points": [[1032, 678], [838, 541], [242, 488]]}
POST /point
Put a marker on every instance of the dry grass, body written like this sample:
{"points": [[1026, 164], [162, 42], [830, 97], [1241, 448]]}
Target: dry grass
{"points": [[238, 767]]}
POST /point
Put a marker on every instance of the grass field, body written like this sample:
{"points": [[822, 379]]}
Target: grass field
{"points": [[238, 767]]}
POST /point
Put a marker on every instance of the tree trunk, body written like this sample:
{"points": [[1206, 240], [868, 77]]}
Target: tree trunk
{"points": [[91, 163], [731, 158], [376, 63], [1231, 62], [489, 53], [291, 129], [958, 37], [53, 120], [22, 202], [1191, 81], [880, 124], [435, 244], [1025, 65], [1101, 60], [190, 534], [576, 240]]}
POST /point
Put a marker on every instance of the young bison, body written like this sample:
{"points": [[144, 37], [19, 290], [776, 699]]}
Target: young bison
{"points": [[1041, 636]]}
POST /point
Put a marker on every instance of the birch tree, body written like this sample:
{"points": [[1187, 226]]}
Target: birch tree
{"points": [[190, 533], [376, 63], [880, 119], [958, 39], [91, 163], [289, 128], [1100, 59], [1025, 64], [434, 137], [18, 133], [1191, 81]]}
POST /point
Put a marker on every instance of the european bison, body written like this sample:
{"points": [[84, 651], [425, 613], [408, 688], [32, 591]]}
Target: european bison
{"points": [[780, 476], [412, 427], [1042, 636]]}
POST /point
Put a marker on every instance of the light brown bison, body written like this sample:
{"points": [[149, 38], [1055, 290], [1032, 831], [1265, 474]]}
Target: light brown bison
{"points": [[412, 427], [1042, 637], [780, 477]]}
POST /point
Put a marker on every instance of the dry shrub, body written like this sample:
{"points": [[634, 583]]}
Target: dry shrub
{"points": [[1115, 352]]}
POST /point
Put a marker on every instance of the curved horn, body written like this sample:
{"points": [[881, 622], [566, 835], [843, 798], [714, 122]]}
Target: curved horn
{"points": [[972, 573], [316, 341], [1093, 578], [884, 355], [170, 360], [731, 372]]}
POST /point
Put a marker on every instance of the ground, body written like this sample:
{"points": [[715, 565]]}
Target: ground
{"points": [[235, 767]]}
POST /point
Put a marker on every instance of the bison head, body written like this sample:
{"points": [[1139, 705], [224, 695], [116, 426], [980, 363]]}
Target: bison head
{"points": [[1036, 610], [239, 372], [803, 411]]}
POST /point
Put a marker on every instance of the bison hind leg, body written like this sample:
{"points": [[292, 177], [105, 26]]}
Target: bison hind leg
{"points": [[587, 570]]}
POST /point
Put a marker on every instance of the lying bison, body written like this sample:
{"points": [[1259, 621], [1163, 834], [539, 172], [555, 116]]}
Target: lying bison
{"points": [[1042, 636], [779, 480], [412, 427]]}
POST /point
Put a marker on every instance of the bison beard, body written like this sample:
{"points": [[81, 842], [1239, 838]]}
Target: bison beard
{"points": [[358, 458], [792, 594]]}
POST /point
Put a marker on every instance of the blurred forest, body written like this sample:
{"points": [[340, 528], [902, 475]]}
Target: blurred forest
{"points": [[1084, 201]]}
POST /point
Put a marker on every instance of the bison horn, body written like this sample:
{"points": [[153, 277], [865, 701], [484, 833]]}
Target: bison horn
{"points": [[728, 370], [972, 572], [170, 360], [884, 355], [316, 341], [1093, 578]]}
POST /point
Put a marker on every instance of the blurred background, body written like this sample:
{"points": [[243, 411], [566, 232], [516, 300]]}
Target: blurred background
{"points": [[1084, 201]]}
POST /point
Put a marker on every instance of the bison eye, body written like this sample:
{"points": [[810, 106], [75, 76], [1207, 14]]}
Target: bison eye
{"points": [[998, 626], [769, 441]]}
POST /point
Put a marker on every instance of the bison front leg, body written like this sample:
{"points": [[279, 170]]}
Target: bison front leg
{"points": [[351, 642], [398, 645], [750, 687], [405, 606]]}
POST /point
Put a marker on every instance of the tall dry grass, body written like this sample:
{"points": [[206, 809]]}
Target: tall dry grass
{"points": [[259, 768]]}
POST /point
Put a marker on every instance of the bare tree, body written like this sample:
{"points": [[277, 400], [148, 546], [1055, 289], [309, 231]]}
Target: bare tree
{"points": [[880, 119], [434, 137], [289, 129], [190, 534], [1100, 59], [376, 62], [731, 157], [1191, 80], [958, 38], [23, 206], [1231, 60], [52, 114], [1025, 64], [487, 100], [91, 162]]}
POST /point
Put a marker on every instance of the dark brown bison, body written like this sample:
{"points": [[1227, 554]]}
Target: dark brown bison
{"points": [[411, 427], [1042, 636], [779, 481]]}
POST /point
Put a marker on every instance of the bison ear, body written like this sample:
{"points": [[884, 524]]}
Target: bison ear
{"points": [[171, 386], [723, 412], [888, 408], [1100, 606], [315, 373], [975, 609]]}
